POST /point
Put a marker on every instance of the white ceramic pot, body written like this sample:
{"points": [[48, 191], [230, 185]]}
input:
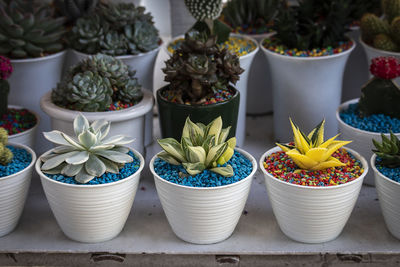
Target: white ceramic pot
{"points": [[144, 65], [13, 191], [312, 214], [129, 121], [362, 140], [389, 199], [31, 79], [203, 215], [241, 86], [27, 137], [91, 213], [306, 89]]}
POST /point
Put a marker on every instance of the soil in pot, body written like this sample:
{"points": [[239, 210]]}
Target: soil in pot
{"points": [[17, 120], [20, 161]]}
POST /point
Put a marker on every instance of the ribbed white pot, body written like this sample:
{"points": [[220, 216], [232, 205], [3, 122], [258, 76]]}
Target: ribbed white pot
{"points": [[13, 192], [91, 213], [389, 199], [312, 214], [306, 89], [143, 63], [362, 140], [27, 137], [129, 121], [241, 86], [31, 79], [203, 215]]}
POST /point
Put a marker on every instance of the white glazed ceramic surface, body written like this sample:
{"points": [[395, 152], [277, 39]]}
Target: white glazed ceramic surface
{"points": [[30, 80], [13, 191], [362, 140], [129, 121], [312, 214], [307, 90], [27, 137], [91, 213], [389, 199], [203, 215]]}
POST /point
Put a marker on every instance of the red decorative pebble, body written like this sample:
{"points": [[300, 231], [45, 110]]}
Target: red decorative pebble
{"points": [[5, 68], [17, 120], [385, 67]]}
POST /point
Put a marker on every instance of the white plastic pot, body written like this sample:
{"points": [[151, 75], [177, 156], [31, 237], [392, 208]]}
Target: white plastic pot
{"points": [[389, 199], [27, 137], [30, 80], [91, 213], [312, 214], [362, 140], [129, 121], [306, 89], [13, 191], [203, 215]]}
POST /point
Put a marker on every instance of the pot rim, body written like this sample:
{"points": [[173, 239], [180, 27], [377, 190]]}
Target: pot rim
{"points": [[137, 110], [387, 53], [28, 130], [27, 168], [83, 186], [341, 107], [269, 52], [241, 151], [353, 152], [378, 173], [36, 59], [237, 93]]}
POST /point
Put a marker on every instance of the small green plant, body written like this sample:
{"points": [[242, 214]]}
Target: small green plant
{"points": [[28, 29], [201, 147], [5, 72], [90, 154], [95, 83], [115, 29], [6, 155], [74, 9], [388, 150]]}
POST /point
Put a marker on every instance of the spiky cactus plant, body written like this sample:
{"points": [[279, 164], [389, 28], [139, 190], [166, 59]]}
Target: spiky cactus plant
{"points": [[95, 83], [74, 9], [5, 72], [388, 150], [29, 29], [6, 155]]}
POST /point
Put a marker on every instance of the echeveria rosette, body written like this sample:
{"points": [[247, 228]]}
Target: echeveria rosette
{"points": [[87, 155], [113, 43], [142, 36]]}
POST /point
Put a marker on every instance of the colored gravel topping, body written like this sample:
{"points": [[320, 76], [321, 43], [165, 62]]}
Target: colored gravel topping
{"points": [[117, 105], [274, 46], [377, 123], [237, 45], [218, 97], [20, 161], [391, 173], [280, 166], [242, 168], [17, 120], [126, 171]]}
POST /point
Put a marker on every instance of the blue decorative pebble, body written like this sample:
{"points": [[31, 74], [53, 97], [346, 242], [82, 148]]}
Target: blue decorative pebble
{"points": [[391, 173], [377, 123], [126, 171], [242, 168], [21, 160]]}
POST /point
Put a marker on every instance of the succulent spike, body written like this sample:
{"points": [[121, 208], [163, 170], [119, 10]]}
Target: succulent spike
{"points": [[388, 150]]}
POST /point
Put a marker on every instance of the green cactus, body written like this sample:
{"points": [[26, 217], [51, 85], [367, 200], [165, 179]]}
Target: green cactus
{"points": [[6, 155], [385, 42], [204, 9], [371, 26], [395, 30], [391, 9]]}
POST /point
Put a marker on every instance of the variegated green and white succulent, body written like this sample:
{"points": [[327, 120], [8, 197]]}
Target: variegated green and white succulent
{"points": [[90, 154], [201, 147]]}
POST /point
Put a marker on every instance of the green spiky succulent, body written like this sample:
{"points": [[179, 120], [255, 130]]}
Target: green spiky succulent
{"points": [[74, 9], [87, 155], [6, 155], [29, 29], [388, 150], [201, 147], [95, 83]]}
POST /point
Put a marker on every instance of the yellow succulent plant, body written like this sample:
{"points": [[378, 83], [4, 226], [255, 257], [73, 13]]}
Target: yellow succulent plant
{"points": [[310, 152]]}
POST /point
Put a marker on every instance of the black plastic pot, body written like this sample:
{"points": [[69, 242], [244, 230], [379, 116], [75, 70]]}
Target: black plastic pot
{"points": [[172, 116], [4, 90]]}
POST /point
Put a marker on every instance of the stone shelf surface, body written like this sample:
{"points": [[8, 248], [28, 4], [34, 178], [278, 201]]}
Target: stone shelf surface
{"points": [[147, 239]]}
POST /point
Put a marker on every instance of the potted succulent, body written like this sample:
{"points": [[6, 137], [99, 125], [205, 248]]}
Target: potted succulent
{"points": [[312, 184], [16, 165], [74, 9], [203, 182], [377, 111], [20, 123], [90, 180], [386, 165], [101, 86], [31, 36], [308, 54]]}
